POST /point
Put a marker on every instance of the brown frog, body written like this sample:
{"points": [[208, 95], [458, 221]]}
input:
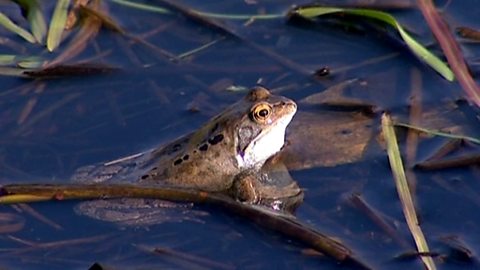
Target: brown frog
{"points": [[226, 155]]}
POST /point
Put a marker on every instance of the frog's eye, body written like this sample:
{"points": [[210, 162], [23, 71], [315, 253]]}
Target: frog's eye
{"points": [[261, 112]]}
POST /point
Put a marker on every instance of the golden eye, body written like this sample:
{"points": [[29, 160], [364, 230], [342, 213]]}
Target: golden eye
{"points": [[261, 112]]}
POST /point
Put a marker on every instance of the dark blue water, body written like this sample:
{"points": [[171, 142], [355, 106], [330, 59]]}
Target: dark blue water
{"points": [[150, 100]]}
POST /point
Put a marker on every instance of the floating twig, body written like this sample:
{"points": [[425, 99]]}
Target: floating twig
{"points": [[451, 50]]}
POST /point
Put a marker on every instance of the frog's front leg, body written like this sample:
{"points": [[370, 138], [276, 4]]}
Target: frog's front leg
{"points": [[245, 189], [272, 187]]}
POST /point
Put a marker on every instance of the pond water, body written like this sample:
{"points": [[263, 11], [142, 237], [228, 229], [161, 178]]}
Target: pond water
{"points": [[51, 126]]}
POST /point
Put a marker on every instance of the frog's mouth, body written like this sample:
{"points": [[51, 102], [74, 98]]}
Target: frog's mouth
{"points": [[264, 145]]}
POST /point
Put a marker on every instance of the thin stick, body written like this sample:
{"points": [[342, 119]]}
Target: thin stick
{"points": [[284, 224], [451, 49]]}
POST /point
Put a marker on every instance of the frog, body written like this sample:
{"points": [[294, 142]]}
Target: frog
{"points": [[228, 154]]}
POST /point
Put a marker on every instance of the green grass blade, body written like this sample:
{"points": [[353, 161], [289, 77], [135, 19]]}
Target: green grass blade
{"points": [[23, 198], [417, 49], [57, 24], [403, 190], [199, 49], [7, 59], [240, 16], [31, 62], [21, 61], [37, 21], [141, 6], [7, 23], [35, 17], [439, 133], [161, 10], [310, 12]]}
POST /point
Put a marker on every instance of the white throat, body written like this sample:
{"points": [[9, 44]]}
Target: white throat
{"points": [[264, 146]]}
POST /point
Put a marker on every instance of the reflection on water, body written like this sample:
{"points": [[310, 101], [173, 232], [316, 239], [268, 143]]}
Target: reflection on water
{"points": [[48, 128]]}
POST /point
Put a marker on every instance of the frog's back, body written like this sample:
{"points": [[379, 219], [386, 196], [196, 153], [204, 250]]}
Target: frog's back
{"points": [[128, 169], [201, 160]]}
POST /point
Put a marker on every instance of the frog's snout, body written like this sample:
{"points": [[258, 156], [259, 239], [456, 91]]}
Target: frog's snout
{"points": [[289, 104]]}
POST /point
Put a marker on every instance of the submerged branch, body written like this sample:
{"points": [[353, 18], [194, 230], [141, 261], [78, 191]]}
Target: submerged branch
{"points": [[284, 224]]}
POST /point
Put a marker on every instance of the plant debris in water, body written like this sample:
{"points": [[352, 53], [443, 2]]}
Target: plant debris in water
{"points": [[338, 128], [283, 224], [403, 190], [70, 70], [420, 51]]}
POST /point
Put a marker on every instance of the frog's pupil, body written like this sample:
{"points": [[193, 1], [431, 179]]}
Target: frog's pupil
{"points": [[263, 113]]}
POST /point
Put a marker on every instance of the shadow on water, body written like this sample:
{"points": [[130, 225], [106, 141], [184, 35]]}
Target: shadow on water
{"points": [[127, 92]]}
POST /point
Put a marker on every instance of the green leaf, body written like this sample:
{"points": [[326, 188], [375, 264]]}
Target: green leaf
{"points": [[35, 17], [7, 59], [31, 62], [57, 24], [21, 61], [420, 51], [7, 23]]}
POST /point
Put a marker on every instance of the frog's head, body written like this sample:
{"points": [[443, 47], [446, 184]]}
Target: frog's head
{"points": [[260, 132]]}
